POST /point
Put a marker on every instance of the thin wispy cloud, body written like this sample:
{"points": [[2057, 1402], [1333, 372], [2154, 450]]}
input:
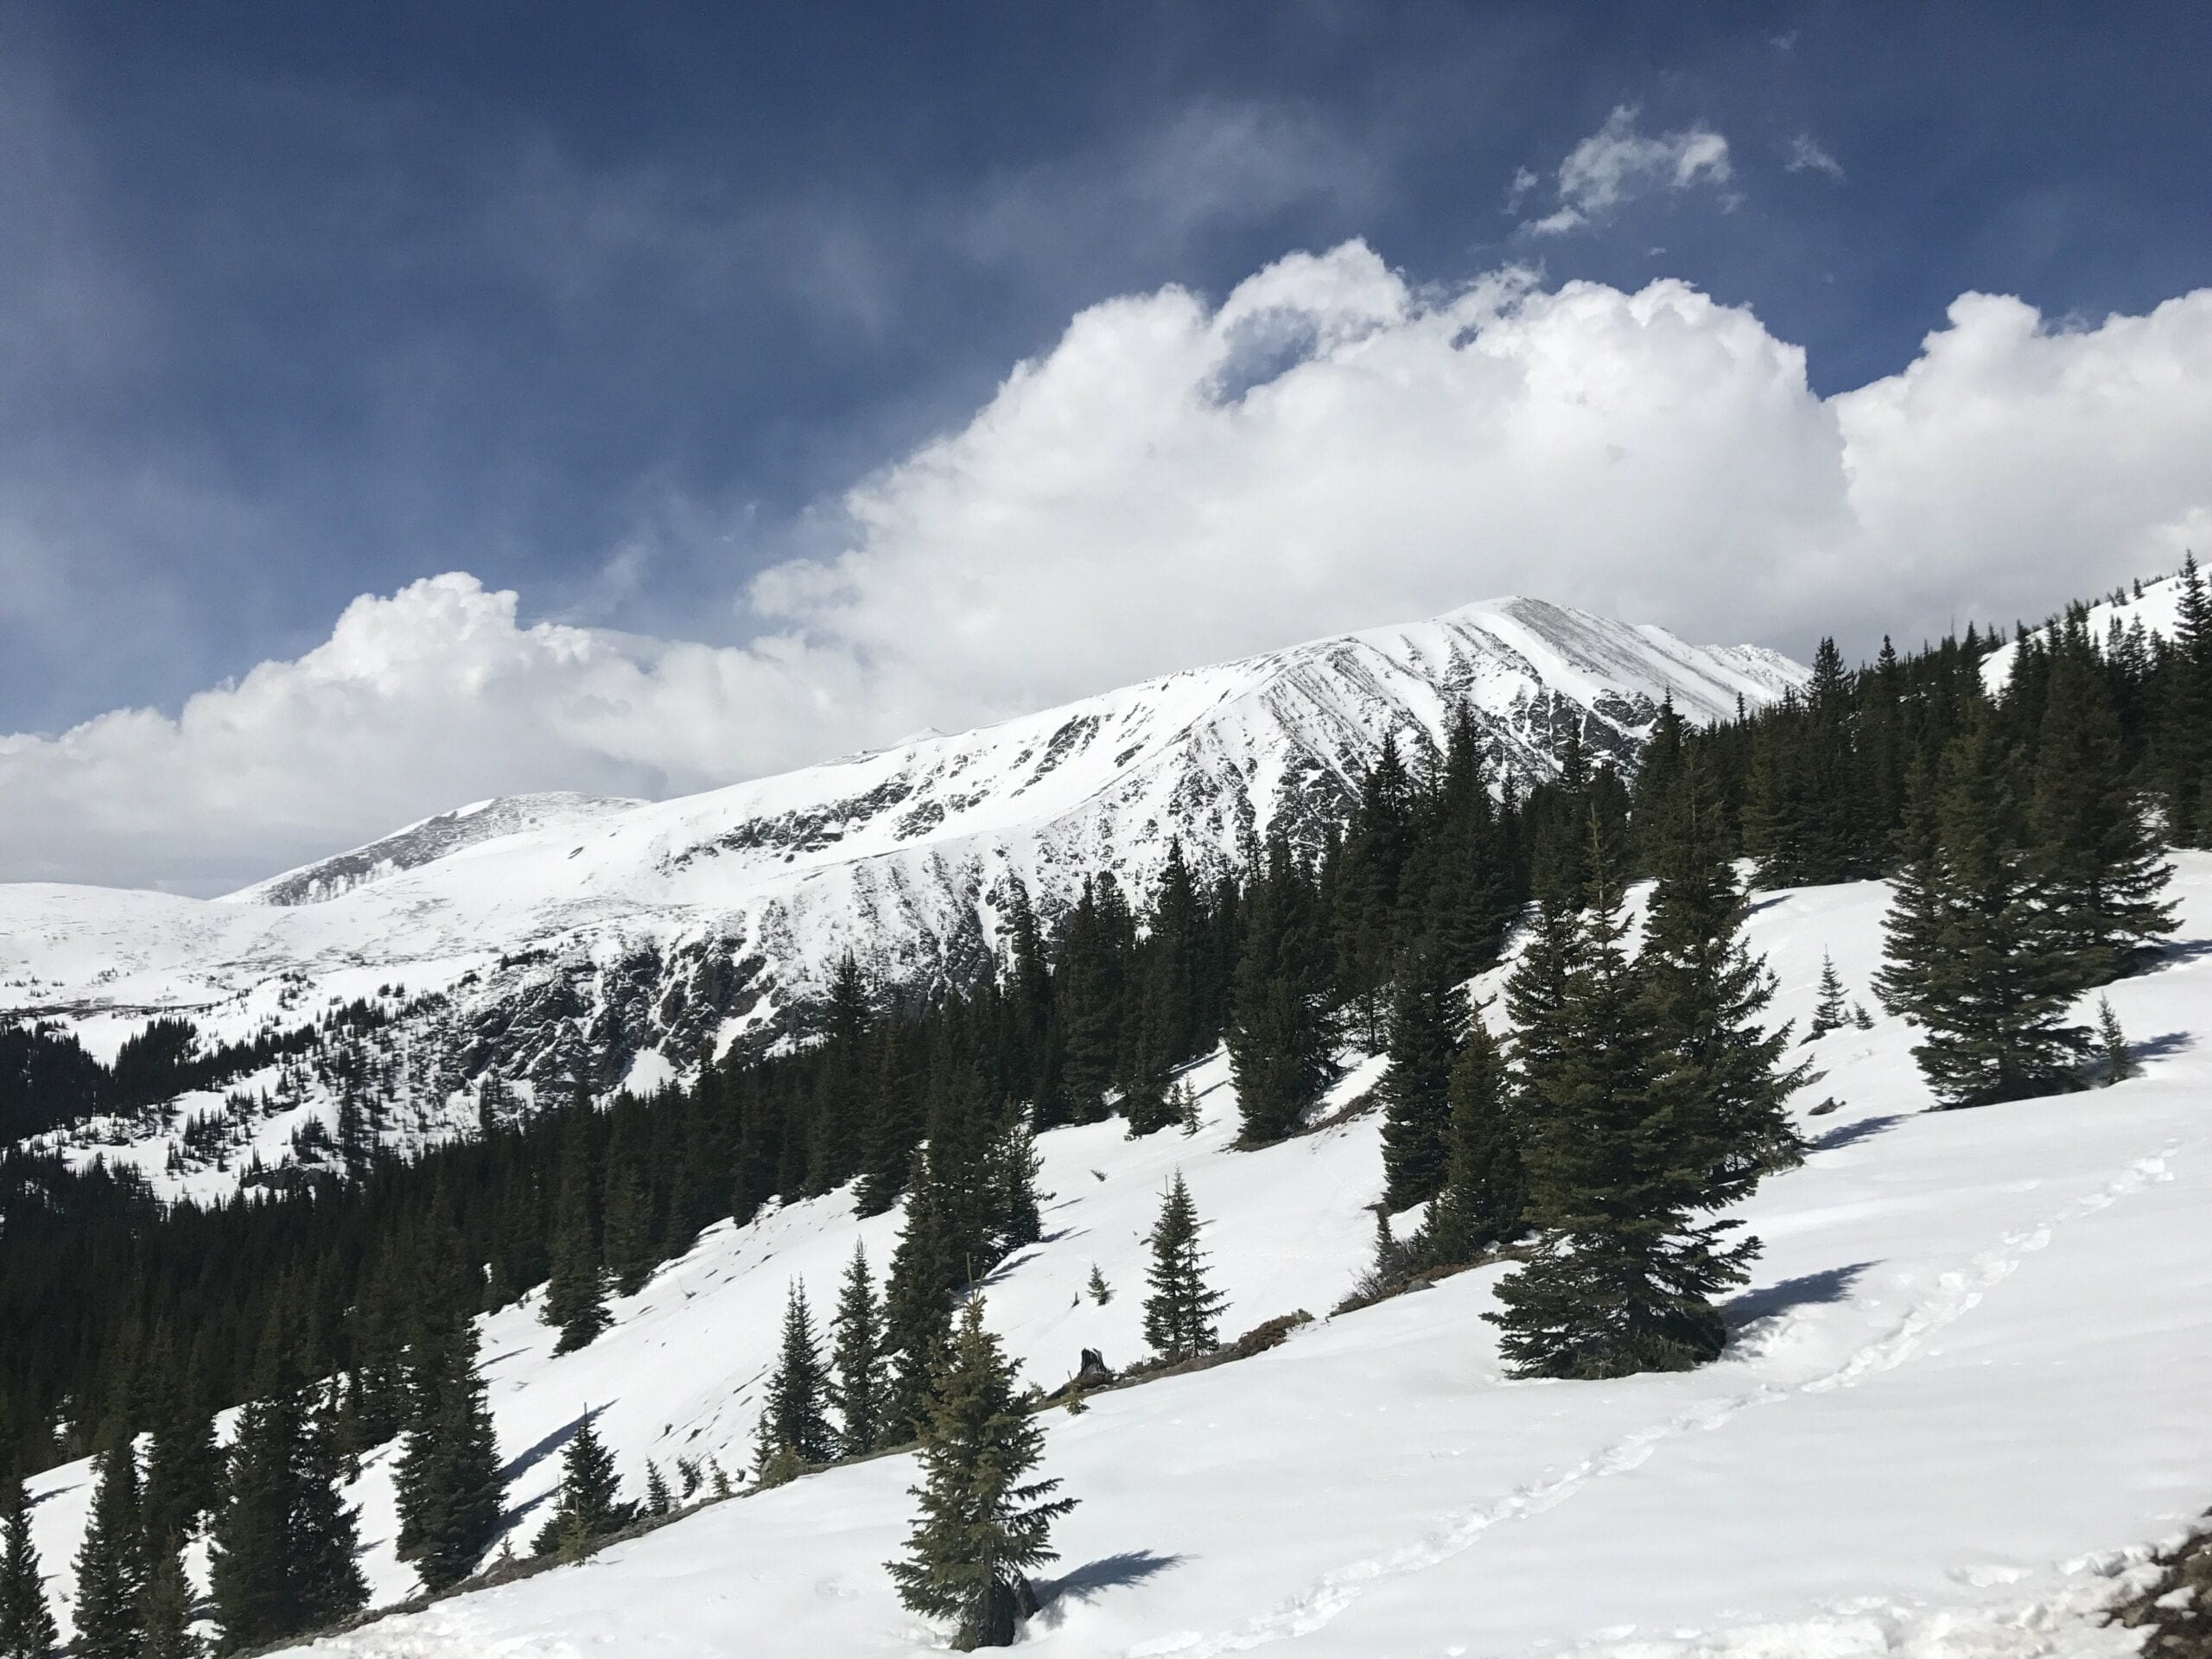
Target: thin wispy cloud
{"points": [[1620, 161], [1807, 156]]}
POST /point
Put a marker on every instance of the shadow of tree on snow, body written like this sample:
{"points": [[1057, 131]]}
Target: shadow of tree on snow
{"points": [[1089, 1581], [1806, 1290]]}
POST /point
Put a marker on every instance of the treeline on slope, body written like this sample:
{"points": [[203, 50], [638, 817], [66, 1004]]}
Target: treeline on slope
{"points": [[1077, 1029], [1415, 890], [1641, 1093], [49, 1081]]}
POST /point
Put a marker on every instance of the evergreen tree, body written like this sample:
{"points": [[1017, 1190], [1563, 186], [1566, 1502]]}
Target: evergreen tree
{"points": [[1828, 1013], [1092, 985], [165, 1609], [1718, 1088], [1994, 990], [1180, 1315], [626, 1243], [1537, 990], [2112, 1044], [1484, 1189], [2184, 738], [1281, 1034], [1012, 1162], [183, 1466], [27, 1628], [575, 1294], [1173, 1019], [1912, 931], [857, 1385], [1366, 877], [590, 1505], [1425, 1015], [1096, 1287], [111, 1563], [1183, 1108], [982, 1522], [252, 1534], [1621, 1277], [916, 1303], [798, 1390], [2101, 879], [448, 1481], [660, 1501], [284, 1540], [325, 1532], [896, 1124]]}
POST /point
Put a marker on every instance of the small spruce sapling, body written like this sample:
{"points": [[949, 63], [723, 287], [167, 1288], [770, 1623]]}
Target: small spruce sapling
{"points": [[1100, 1292], [1828, 1013], [1183, 1108], [2112, 1043]]}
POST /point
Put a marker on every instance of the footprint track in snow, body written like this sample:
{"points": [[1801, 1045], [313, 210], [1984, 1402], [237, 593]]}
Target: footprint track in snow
{"points": [[1955, 1294]]}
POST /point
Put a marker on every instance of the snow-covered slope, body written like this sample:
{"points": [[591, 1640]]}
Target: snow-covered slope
{"points": [[1966, 1390], [2155, 611], [548, 937]]}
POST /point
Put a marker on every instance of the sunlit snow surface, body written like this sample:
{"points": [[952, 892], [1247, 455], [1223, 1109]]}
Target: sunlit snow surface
{"points": [[1967, 1388]]}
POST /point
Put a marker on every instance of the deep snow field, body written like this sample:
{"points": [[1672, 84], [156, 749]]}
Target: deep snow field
{"points": [[1966, 1394]]}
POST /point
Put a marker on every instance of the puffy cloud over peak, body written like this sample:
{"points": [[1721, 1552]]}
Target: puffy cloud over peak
{"points": [[1177, 481]]}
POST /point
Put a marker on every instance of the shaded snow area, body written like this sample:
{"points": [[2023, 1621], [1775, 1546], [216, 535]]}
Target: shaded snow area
{"points": [[1964, 1398], [537, 937]]}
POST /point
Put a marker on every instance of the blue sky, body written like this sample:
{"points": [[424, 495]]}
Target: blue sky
{"points": [[614, 306]]}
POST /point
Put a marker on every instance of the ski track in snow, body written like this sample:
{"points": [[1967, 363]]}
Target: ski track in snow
{"points": [[1955, 1294]]}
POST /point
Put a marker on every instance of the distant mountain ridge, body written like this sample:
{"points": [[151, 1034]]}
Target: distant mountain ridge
{"points": [[545, 935]]}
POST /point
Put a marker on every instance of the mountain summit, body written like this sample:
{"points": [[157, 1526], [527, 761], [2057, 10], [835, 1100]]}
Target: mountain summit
{"points": [[549, 937]]}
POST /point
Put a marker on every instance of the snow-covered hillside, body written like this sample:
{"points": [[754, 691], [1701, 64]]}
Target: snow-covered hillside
{"points": [[1964, 1392], [560, 936], [2155, 610]]}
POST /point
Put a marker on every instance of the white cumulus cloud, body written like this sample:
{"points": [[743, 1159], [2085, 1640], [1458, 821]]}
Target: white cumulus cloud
{"points": [[1177, 481]]}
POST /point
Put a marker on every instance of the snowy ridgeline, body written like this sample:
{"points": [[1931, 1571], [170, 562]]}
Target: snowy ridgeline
{"points": [[2151, 615], [544, 937], [1964, 1396]]}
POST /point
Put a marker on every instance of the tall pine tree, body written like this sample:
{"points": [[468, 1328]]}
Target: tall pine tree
{"points": [[983, 1522], [1718, 1086], [576, 1293], [111, 1563], [856, 1379], [2101, 877], [1180, 1314], [1427, 1012], [1484, 1191], [1622, 1276], [796, 1420], [447, 1480], [1282, 1033], [1983, 971], [27, 1628]]}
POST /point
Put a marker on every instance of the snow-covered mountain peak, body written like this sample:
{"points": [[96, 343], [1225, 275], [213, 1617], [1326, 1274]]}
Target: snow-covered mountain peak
{"points": [[426, 840], [545, 937]]}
